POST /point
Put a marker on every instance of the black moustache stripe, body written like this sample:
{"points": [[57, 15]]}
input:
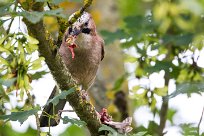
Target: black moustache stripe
{"points": [[86, 30]]}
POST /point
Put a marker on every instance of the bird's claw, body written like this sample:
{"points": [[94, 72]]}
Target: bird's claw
{"points": [[84, 95], [122, 127]]}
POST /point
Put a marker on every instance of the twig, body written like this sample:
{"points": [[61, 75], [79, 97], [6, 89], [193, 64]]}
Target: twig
{"points": [[9, 26], [36, 115], [200, 120], [60, 111], [163, 116]]}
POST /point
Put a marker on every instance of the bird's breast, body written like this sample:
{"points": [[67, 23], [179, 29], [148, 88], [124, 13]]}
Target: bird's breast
{"points": [[84, 65]]}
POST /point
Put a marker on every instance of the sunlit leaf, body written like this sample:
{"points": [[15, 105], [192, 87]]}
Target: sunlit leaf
{"points": [[36, 64], [3, 61], [31, 40], [2, 49], [161, 91], [153, 103], [170, 115], [2, 40], [118, 83], [27, 82], [131, 59]]}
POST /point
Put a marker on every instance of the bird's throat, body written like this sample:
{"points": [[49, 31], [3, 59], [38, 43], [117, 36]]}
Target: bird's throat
{"points": [[71, 48]]}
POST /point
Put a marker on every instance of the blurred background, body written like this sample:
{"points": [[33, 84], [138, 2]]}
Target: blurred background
{"points": [[152, 70]]}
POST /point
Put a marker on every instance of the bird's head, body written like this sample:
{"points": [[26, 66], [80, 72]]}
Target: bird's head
{"points": [[83, 25], [81, 33]]}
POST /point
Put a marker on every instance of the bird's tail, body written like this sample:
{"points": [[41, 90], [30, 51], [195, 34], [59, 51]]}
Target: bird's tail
{"points": [[50, 109]]}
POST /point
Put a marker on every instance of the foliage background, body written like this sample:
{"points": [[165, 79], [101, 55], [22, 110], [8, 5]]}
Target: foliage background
{"points": [[153, 53]]}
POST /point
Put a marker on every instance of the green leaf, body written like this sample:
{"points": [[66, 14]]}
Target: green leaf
{"points": [[59, 1], [2, 39], [66, 120], [31, 40], [118, 83], [140, 133], [110, 129], [26, 82], [189, 130], [36, 64], [152, 127], [110, 37], [161, 91], [3, 61], [56, 12], [20, 48], [38, 75], [2, 49], [164, 65], [33, 16], [160, 65], [8, 44], [62, 95], [130, 59], [4, 10], [7, 82], [178, 40], [7, 130], [74, 130], [20, 116], [170, 115], [32, 47], [187, 88]]}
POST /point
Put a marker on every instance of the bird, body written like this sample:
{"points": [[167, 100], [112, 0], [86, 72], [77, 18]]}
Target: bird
{"points": [[82, 50]]}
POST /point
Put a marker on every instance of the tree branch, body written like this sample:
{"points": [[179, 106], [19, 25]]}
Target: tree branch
{"points": [[83, 108]]}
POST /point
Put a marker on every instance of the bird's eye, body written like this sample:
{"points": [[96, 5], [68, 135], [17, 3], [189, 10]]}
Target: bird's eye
{"points": [[70, 30], [86, 30], [86, 23]]}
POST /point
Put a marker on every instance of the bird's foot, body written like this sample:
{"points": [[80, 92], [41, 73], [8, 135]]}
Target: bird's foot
{"points": [[122, 127], [85, 95]]}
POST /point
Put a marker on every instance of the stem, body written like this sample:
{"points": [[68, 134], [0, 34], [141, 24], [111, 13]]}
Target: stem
{"points": [[200, 120], [165, 103], [36, 115], [9, 26], [163, 116]]}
